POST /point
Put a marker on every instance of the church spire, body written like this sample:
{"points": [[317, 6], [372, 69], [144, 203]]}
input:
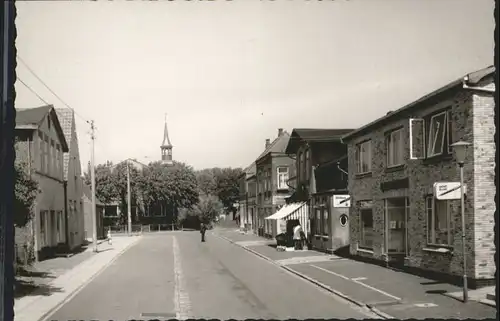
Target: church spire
{"points": [[166, 146]]}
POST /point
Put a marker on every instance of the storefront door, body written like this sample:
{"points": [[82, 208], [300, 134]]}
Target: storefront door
{"points": [[396, 217]]}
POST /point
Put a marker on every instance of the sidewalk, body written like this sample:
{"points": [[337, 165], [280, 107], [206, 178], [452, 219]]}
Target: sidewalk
{"points": [[39, 304], [395, 294]]}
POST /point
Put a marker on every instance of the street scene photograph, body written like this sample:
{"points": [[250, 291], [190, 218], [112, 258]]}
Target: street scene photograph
{"points": [[253, 159]]}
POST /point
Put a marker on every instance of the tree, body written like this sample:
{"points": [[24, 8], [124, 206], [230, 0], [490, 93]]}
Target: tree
{"points": [[168, 186], [207, 209], [26, 191], [228, 187], [206, 182]]}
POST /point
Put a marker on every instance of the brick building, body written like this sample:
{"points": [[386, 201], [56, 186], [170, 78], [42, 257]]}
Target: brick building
{"points": [[272, 168], [321, 156], [393, 165]]}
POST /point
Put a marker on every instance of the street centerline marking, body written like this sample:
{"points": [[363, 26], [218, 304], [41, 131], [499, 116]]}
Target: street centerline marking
{"points": [[181, 297], [358, 282]]}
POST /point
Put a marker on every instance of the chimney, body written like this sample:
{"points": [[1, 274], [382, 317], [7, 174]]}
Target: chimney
{"points": [[280, 132], [268, 142]]}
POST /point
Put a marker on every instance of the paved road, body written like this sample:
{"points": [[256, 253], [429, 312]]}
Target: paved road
{"points": [[173, 275]]}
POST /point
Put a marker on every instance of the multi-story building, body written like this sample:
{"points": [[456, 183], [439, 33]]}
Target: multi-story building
{"points": [[252, 197], [41, 145], [397, 163], [321, 182], [272, 168], [246, 211], [73, 183]]}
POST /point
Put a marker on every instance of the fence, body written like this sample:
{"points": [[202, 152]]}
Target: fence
{"points": [[140, 229]]}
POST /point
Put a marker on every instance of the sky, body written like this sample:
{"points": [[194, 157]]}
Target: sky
{"points": [[228, 74]]}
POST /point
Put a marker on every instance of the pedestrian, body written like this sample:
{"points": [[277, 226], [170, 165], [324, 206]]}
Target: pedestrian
{"points": [[108, 236], [297, 239], [203, 229]]}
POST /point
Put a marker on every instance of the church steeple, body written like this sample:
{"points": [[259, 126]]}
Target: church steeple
{"points": [[166, 146]]}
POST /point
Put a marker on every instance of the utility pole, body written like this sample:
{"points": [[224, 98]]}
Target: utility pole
{"points": [[129, 207], [92, 176]]}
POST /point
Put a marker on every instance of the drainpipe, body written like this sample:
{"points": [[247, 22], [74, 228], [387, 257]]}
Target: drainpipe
{"points": [[66, 231]]}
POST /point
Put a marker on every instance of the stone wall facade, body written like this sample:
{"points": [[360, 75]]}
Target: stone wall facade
{"points": [[472, 121]]}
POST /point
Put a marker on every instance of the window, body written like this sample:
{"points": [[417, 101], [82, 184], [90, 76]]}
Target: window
{"points": [[317, 222], [111, 211], [437, 131], [396, 213], [48, 122], [308, 164], [282, 178], [417, 138], [364, 157], [58, 160], [46, 147], [449, 131], [52, 158], [394, 144], [43, 228], [41, 151], [439, 223], [301, 166], [324, 223], [366, 222]]}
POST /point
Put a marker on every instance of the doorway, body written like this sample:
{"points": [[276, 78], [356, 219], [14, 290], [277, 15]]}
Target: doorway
{"points": [[396, 233]]}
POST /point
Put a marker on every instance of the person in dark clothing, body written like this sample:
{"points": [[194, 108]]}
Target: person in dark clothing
{"points": [[203, 229]]}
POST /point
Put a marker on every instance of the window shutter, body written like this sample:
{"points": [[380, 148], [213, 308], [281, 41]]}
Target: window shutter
{"points": [[417, 138]]}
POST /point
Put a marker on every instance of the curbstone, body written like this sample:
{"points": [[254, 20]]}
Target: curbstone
{"points": [[316, 282], [75, 291]]}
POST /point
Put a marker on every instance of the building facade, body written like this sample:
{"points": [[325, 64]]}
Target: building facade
{"points": [[321, 180], [73, 183], [247, 188], [272, 173], [394, 163], [40, 146], [87, 214]]}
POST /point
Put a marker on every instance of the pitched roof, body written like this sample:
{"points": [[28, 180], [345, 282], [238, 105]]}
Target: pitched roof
{"points": [[309, 135], [278, 146], [87, 192], [31, 118], [249, 171], [67, 120], [472, 78]]}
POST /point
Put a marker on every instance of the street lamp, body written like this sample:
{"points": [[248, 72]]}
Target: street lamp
{"points": [[460, 149]]}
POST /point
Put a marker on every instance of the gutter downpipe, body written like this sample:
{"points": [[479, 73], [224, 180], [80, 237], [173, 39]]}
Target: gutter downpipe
{"points": [[340, 169]]}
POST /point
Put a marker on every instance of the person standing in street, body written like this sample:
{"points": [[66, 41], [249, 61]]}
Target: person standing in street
{"points": [[297, 237], [203, 229]]}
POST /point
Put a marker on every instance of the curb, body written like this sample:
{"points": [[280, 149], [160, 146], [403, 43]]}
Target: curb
{"points": [[305, 277], [47, 314]]}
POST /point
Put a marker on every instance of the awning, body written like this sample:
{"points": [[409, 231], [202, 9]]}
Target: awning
{"points": [[285, 211]]}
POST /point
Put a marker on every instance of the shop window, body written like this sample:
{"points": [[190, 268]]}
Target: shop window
{"points": [[396, 213], [440, 230], [366, 228], [394, 146], [364, 157]]}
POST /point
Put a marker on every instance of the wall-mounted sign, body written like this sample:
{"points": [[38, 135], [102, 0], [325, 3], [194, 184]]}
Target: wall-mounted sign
{"points": [[341, 201], [343, 220], [448, 190]]}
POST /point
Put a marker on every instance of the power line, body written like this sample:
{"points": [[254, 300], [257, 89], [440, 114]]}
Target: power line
{"points": [[32, 90], [48, 88]]}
